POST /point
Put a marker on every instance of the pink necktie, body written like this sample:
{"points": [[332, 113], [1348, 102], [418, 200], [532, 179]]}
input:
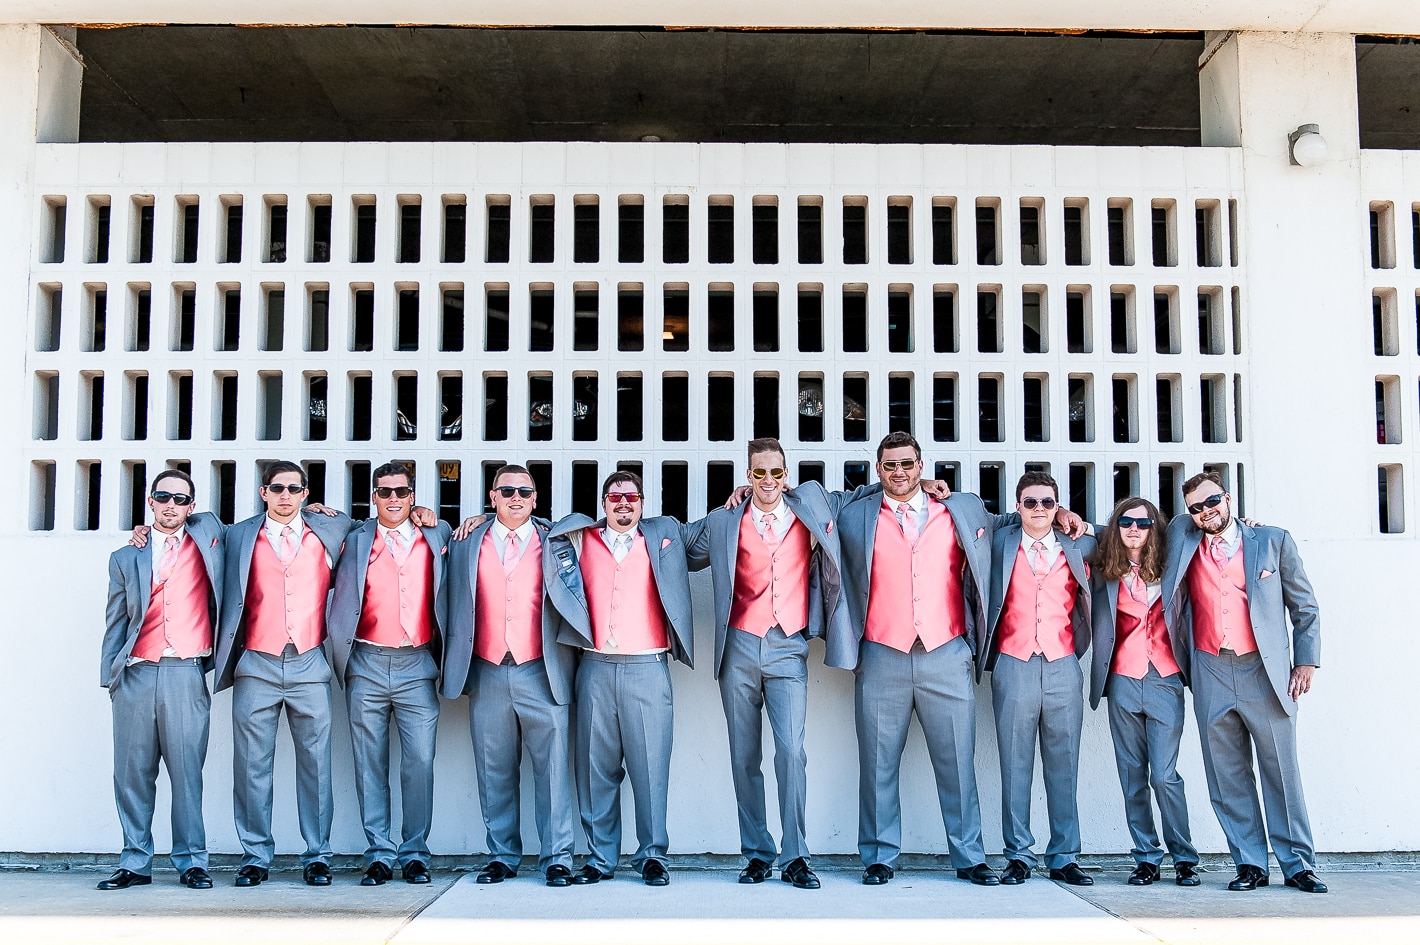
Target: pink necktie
{"points": [[395, 541], [165, 568], [771, 537], [908, 521], [1136, 584], [288, 545], [1215, 548], [511, 553], [1039, 566]]}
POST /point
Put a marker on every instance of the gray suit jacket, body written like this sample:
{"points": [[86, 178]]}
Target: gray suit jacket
{"points": [[130, 588], [1004, 545], [1277, 589], [1104, 607], [559, 660], [568, 597], [715, 541], [858, 524], [241, 544], [347, 598]]}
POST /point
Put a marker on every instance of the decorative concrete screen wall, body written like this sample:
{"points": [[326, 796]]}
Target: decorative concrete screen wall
{"points": [[579, 307]]}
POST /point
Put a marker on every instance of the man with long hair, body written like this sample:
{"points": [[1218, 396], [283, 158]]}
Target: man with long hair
{"points": [[1134, 666]]}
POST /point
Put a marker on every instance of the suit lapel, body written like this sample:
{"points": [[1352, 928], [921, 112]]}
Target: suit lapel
{"points": [[732, 540], [1010, 539], [653, 551], [144, 560], [247, 550], [1250, 558], [871, 513]]}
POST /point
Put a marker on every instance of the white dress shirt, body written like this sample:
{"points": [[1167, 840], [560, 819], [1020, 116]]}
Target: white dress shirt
{"points": [[619, 542], [918, 504], [500, 533], [272, 529], [1051, 552]]}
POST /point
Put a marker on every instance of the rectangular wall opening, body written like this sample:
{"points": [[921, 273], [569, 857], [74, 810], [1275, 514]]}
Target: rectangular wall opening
{"points": [[855, 408], [320, 231], [498, 224], [180, 410], [993, 478], [811, 317], [411, 220], [629, 407], [318, 318], [273, 322], [855, 318], [1079, 326], [675, 490], [586, 228], [135, 406], [720, 316], [362, 322], [540, 413], [1123, 337], [989, 408], [96, 320], [766, 317], [988, 232], [1076, 219], [317, 406], [764, 234], [586, 491], [187, 220], [1080, 388], [455, 230], [944, 408], [586, 304], [541, 317], [46, 406], [141, 240], [495, 407], [1388, 422], [900, 403], [232, 232], [945, 338], [1032, 245], [899, 318], [1385, 323], [133, 487], [766, 405], [49, 316], [719, 483], [1166, 327], [495, 317], [225, 415], [675, 407], [720, 229], [810, 407], [1120, 224], [630, 317], [811, 472], [855, 231], [361, 406], [406, 406], [1035, 333], [1169, 407], [675, 228], [100, 220], [584, 407], [451, 321], [675, 317], [1213, 408], [542, 232], [989, 334], [359, 495], [450, 491], [1164, 233], [88, 488], [1208, 233], [810, 231], [1390, 490], [229, 326], [364, 249], [1125, 408], [899, 231], [1212, 321], [91, 406], [944, 238], [720, 401], [631, 229], [185, 325], [42, 496], [269, 410], [1035, 408], [1126, 480]]}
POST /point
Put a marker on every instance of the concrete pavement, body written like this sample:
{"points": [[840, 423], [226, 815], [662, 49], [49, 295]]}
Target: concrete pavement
{"points": [[705, 906]]}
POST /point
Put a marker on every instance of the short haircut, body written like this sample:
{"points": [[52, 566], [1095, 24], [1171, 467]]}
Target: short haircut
{"points": [[511, 469], [1206, 476], [392, 469], [897, 440], [622, 475], [174, 474], [1037, 478], [766, 444], [272, 470]]}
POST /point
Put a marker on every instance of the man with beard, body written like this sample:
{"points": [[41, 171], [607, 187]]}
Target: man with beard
{"points": [[1134, 667], [1240, 585], [627, 607]]}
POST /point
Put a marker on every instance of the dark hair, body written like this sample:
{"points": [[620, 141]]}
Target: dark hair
{"points": [[392, 469], [1036, 478], [1207, 475], [511, 469], [174, 474], [899, 439], [272, 470], [1112, 558], [622, 475], [765, 444]]}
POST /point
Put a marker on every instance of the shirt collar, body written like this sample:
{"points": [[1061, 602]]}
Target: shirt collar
{"points": [[611, 535], [777, 511], [1230, 534], [523, 531], [405, 530], [1050, 541], [162, 537], [274, 527], [916, 502]]}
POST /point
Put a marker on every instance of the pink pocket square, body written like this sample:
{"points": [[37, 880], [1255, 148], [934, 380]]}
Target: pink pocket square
{"points": [[828, 529], [980, 532], [214, 542], [444, 550], [1265, 573], [665, 542]]}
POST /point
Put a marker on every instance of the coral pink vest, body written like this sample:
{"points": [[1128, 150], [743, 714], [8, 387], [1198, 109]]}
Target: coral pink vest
{"points": [[286, 603], [507, 616], [626, 611], [178, 614], [771, 588], [1141, 638], [1035, 616], [927, 574], [399, 601], [1220, 611]]}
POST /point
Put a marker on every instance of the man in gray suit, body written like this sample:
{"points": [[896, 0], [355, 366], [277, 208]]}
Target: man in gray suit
{"points": [[387, 618], [270, 653], [912, 570], [622, 592], [163, 603], [502, 650], [775, 562], [1229, 592], [1038, 627]]}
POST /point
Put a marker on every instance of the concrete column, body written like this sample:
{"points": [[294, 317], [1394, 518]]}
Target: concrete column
{"points": [[1303, 242]]}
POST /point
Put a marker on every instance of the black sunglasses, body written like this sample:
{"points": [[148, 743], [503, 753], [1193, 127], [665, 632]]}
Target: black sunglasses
{"points": [[276, 488], [1212, 502], [176, 498], [402, 492], [507, 492], [1129, 521]]}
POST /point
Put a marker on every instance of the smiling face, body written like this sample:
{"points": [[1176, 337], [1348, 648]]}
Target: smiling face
{"points": [[283, 506], [765, 491], [1213, 521], [900, 469], [622, 513], [515, 509], [168, 516], [394, 510]]}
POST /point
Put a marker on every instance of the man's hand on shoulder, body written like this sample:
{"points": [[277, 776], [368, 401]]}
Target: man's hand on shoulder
{"points": [[936, 488], [1301, 681], [1070, 523], [467, 526], [139, 538], [738, 497], [321, 509]]}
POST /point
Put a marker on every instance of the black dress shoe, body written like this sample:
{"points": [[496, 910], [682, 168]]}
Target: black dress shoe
{"points": [[558, 875], [1072, 875], [377, 874], [196, 877], [980, 875], [877, 875], [495, 872], [756, 871], [316, 874], [1015, 873], [1144, 875], [122, 879], [654, 873], [798, 873], [1249, 877], [1306, 881], [589, 875], [415, 872], [251, 876], [1186, 874]]}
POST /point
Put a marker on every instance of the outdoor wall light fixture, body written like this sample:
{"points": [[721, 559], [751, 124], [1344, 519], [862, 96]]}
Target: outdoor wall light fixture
{"points": [[1306, 147]]}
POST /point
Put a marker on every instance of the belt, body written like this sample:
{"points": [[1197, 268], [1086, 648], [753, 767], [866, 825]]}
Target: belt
{"points": [[599, 657]]}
